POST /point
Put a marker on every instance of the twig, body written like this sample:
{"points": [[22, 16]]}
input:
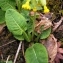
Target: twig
{"points": [[7, 59], [2, 56], [19, 47], [23, 48], [8, 43]]}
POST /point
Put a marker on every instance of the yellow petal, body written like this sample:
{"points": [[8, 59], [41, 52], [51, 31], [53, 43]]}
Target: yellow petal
{"points": [[26, 6], [46, 10], [34, 9]]}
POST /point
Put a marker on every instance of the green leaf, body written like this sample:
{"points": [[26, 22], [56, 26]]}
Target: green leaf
{"points": [[34, 4], [2, 62], [43, 2], [30, 27], [36, 54], [16, 23], [45, 33], [19, 37], [2, 16], [6, 4], [9, 62], [25, 13]]}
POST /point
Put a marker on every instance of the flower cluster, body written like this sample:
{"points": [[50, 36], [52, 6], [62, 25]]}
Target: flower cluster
{"points": [[28, 7]]}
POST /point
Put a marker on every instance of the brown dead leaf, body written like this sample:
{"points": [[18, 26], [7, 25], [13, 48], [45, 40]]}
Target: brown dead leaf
{"points": [[56, 25], [51, 46], [60, 50], [1, 27], [45, 22], [42, 20], [60, 28], [58, 57], [59, 53]]}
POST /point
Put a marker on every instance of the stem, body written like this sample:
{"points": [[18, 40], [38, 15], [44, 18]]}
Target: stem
{"points": [[18, 2], [37, 38], [33, 27], [26, 36]]}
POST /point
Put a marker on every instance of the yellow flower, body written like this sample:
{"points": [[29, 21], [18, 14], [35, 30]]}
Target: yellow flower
{"points": [[26, 5], [34, 9], [46, 10]]}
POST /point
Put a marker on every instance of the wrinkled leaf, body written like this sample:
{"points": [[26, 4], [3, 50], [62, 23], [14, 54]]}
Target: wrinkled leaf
{"points": [[45, 33], [36, 54], [16, 23], [6, 4]]}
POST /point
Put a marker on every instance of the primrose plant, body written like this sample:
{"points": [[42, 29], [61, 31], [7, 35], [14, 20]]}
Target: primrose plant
{"points": [[16, 15]]}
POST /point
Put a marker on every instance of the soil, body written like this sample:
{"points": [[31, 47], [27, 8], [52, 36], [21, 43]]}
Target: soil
{"points": [[8, 46]]}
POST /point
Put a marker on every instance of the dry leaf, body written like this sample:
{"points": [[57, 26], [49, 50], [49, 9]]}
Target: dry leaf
{"points": [[60, 28], [45, 22], [56, 25], [60, 50], [58, 57], [1, 27], [59, 53], [42, 20], [51, 45]]}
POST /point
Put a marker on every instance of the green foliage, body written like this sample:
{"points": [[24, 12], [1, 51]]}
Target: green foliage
{"points": [[45, 33], [9, 62], [2, 16], [7, 4], [43, 2], [16, 23], [35, 4], [25, 13], [2, 62], [36, 54], [5, 62]]}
